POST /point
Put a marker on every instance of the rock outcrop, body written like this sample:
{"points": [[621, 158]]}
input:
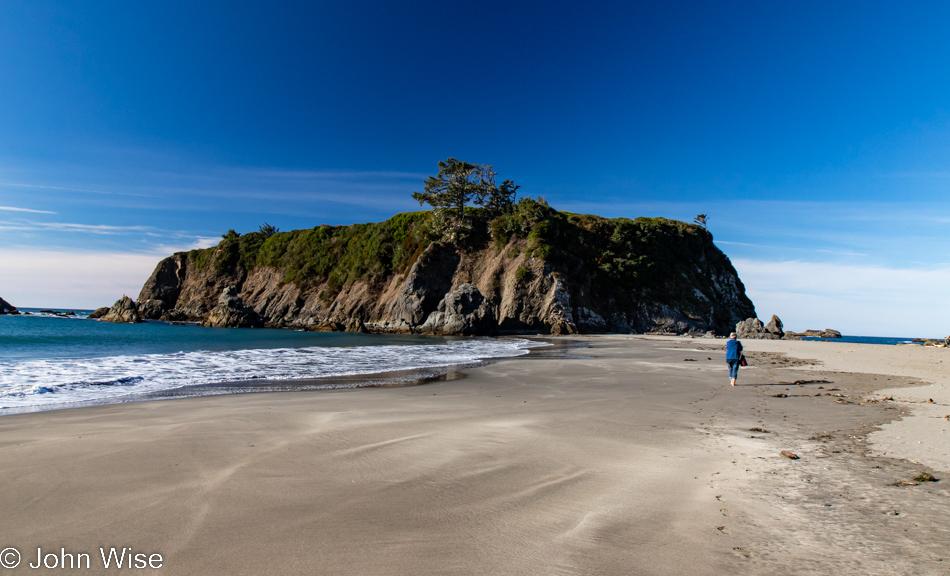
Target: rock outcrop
{"points": [[124, 311], [754, 329], [428, 282], [231, 313], [463, 310], [7, 308], [98, 313], [826, 333], [594, 275]]}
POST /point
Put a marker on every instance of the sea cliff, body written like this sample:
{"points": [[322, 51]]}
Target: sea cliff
{"points": [[533, 269]]}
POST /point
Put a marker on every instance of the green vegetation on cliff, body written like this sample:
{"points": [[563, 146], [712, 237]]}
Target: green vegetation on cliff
{"points": [[662, 260], [338, 255], [616, 259]]}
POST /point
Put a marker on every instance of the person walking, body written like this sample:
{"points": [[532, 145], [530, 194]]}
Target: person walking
{"points": [[733, 356]]}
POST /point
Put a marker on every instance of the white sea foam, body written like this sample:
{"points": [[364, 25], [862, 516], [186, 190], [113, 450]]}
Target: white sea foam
{"points": [[50, 382]]}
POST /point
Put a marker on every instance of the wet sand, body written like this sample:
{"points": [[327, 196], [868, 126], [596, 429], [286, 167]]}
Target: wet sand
{"points": [[638, 459]]}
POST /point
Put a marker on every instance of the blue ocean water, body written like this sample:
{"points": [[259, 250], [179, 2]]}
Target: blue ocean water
{"points": [[866, 340], [47, 361]]}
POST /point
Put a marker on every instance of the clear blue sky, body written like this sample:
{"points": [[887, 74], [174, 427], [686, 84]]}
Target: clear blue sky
{"points": [[815, 135]]}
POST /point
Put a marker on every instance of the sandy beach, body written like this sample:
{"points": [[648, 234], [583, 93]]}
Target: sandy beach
{"points": [[633, 457]]}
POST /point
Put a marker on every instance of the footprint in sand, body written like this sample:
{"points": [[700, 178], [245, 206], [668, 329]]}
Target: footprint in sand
{"points": [[743, 552]]}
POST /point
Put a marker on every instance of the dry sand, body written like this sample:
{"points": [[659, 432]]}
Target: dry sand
{"points": [[637, 459]]}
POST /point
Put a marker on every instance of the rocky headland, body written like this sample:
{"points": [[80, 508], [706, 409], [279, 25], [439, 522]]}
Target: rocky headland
{"points": [[533, 269], [7, 308]]}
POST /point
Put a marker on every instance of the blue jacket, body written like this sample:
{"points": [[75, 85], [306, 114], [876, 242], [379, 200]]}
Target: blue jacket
{"points": [[733, 349]]}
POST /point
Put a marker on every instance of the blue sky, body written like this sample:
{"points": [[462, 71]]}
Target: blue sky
{"points": [[815, 136]]}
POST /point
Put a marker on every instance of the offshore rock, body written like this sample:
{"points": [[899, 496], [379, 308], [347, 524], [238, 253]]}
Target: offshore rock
{"points": [[7, 308], [231, 313], [124, 311], [99, 313], [754, 329], [826, 333], [774, 327]]}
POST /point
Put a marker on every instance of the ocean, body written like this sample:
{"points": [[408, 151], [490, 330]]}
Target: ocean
{"points": [[49, 362], [865, 340]]}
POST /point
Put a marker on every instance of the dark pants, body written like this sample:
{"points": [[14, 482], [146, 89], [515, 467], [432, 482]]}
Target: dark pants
{"points": [[733, 367]]}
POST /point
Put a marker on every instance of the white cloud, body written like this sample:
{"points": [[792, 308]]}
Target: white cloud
{"points": [[857, 300], [30, 210], [198, 243]]}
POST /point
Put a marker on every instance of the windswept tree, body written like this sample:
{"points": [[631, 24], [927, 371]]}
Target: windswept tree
{"points": [[496, 199], [451, 189], [461, 183], [268, 230], [701, 219]]}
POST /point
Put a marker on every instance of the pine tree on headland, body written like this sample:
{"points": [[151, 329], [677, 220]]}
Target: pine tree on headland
{"points": [[460, 183], [701, 219], [451, 189]]}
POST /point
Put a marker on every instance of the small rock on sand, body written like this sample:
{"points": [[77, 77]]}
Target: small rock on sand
{"points": [[788, 454]]}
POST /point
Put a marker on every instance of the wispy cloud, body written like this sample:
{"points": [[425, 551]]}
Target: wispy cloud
{"points": [[72, 227], [30, 210], [62, 189], [793, 248], [197, 188]]}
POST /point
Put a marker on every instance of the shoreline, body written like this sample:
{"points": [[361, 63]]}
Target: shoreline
{"points": [[635, 456], [382, 378]]}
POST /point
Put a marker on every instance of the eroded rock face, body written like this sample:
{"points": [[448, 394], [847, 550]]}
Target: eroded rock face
{"points": [[462, 311], [231, 313], [557, 312], [151, 309], [7, 308], [124, 311], [590, 321], [164, 285], [427, 283]]}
